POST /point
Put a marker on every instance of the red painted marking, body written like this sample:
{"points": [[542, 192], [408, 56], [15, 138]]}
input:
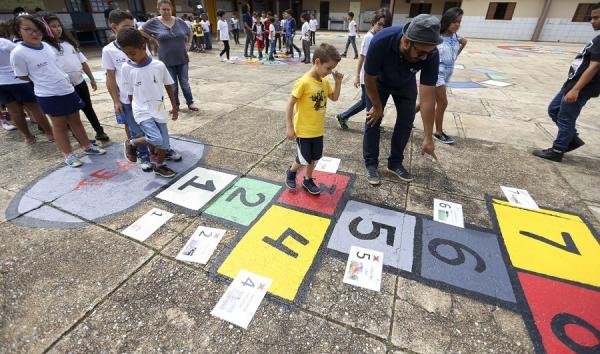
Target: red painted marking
{"points": [[326, 202], [103, 174], [261, 286], [125, 165], [83, 183], [376, 258], [548, 298]]}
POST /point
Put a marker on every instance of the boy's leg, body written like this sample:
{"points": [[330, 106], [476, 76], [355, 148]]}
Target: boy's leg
{"points": [[135, 131], [567, 116], [354, 47], [554, 106], [347, 46], [315, 150]]}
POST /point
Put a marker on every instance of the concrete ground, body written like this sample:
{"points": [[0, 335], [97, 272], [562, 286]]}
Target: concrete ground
{"points": [[92, 289]]}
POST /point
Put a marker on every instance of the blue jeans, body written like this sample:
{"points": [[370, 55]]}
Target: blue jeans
{"points": [[156, 133], [180, 73], [272, 50], [292, 46], [208, 40], [405, 116], [135, 131], [357, 107], [351, 40], [249, 43], [564, 115]]}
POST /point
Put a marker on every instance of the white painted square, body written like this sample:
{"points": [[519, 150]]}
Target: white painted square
{"points": [[448, 213], [496, 83], [242, 298], [519, 198], [328, 164], [201, 245], [208, 183], [364, 268], [145, 226]]}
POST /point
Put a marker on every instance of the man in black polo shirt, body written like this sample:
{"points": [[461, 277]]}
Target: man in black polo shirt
{"points": [[395, 55], [247, 20]]}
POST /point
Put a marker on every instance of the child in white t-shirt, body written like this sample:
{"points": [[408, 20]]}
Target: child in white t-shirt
{"points": [[272, 38], [73, 62], [144, 81], [306, 37], [313, 28], [223, 29], [352, 33], [34, 60], [207, 35]]}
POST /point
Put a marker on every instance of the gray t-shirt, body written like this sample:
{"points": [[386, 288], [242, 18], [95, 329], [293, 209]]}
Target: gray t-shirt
{"points": [[172, 41]]}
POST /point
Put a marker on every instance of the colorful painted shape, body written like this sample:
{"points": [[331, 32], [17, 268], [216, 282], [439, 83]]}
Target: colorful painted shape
{"points": [[566, 316], [549, 242], [464, 84], [332, 185], [282, 246], [196, 188], [465, 258], [372, 227], [244, 201]]}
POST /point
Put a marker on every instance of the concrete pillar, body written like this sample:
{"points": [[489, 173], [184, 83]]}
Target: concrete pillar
{"points": [[541, 21]]}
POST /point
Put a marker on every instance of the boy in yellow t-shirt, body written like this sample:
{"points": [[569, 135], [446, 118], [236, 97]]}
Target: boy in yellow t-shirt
{"points": [[198, 31], [307, 124]]}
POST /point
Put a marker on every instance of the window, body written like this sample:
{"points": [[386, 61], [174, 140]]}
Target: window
{"points": [[501, 11], [416, 9], [98, 5], [583, 13], [451, 4]]}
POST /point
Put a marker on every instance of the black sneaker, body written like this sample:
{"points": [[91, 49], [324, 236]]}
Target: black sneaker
{"points": [[443, 138], [356, 57], [373, 176], [102, 137], [343, 55], [164, 171], [310, 186], [576, 143], [401, 173], [130, 151], [342, 122], [290, 180], [549, 154]]}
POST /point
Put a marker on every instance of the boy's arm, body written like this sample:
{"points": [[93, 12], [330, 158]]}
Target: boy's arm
{"points": [[585, 78], [88, 72], [174, 111], [361, 61], [113, 90], [338, 77], [289, 113]]}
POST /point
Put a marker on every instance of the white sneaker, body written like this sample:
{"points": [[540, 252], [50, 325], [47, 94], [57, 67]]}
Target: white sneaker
{"points": [[7, 125]]}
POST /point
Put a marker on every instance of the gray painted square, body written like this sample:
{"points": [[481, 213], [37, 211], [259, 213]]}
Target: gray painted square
{"points": [[487, 276], [397, 249]]}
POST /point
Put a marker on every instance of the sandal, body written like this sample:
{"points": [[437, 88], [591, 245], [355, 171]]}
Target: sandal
{"points": [[192, 107]]}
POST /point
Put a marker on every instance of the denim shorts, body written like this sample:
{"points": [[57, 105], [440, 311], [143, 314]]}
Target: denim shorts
{"points": [[444, 75], [156, 133]]}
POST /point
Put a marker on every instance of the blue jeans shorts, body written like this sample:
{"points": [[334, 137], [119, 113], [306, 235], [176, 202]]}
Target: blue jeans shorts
{"points": [[156, 133]]}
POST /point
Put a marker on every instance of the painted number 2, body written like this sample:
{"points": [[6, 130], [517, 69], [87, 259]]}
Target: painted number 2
{"points": [[242, 193], [460, 253], [375, 232]]}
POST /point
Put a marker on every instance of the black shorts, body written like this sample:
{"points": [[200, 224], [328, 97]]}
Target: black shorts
{"points": [[21, 93], [309, 149]]}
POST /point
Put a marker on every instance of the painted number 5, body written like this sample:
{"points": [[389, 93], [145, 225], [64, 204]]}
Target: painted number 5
{"points": [[460, 253], [375, 232]]}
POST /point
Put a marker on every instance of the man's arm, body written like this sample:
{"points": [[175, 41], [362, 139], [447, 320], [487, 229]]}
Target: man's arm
{"points": [[113, 90], [585, 78], [376, 112], [427, 99]]}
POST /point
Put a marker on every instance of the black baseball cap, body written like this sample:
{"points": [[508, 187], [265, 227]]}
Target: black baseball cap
{"points": [[424, 29]]}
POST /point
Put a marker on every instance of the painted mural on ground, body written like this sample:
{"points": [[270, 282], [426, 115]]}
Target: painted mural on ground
{"points": [[541, 263]]}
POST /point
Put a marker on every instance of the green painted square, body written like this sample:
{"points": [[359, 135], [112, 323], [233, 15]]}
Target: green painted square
{"points": [[244, 201], [499, 77]]}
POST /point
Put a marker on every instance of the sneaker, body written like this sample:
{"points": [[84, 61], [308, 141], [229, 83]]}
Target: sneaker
{"points": [[342, 122], [73, 161], [443, 138], [576, 143], [373, 176], [549, 154], [402, 173], [102, 137], [146, 164], [94, 150], [173, 155], [343, 55], [310, 186], [130, 151], [164, 171], [7, 125], [290, 180], [356, 57]]}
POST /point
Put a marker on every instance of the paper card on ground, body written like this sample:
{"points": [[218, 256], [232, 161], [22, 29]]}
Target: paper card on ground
{"points": [[328, 164], [242, 298], [496, 83], [201, 245], [145, 226], [448, 213], [519, 198], [459, 66], [364, 268]]}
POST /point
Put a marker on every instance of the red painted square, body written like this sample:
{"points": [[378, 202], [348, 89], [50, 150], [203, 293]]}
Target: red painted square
{"points": [[332, 188], [577, 308]]}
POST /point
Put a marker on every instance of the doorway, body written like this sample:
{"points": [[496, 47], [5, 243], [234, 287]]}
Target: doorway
{"points": [[324, 15]]}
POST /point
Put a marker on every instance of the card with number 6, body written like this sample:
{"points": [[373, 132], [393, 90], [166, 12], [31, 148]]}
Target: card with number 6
{"points": [[364, 268]]}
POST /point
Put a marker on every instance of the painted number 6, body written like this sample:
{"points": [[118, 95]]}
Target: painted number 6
{"points": [[460, 253]]}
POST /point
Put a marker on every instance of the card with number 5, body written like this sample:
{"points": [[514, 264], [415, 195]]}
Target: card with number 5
{"points": [[364, 268]]}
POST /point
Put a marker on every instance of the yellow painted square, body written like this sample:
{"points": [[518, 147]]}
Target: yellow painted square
{"points": [[256, 256], [535, 255]]}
